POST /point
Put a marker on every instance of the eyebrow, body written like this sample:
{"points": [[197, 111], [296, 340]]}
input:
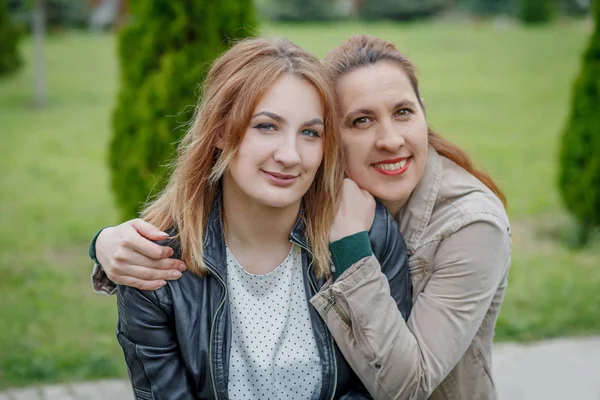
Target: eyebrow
{"points": [[271, 115], [405, 102], [314, 121], [362, 111], [358, 112], [280, 119]]}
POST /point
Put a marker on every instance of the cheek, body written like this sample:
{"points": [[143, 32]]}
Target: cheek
{"points": [[312, 155], [253, 149], [355, 154], [420, 133]]}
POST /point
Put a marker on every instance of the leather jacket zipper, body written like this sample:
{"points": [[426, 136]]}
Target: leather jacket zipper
{"points": [[314, 288], [212, 328]]}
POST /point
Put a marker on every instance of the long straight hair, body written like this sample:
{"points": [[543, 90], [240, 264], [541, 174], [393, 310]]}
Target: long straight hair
{"points": [[235, 84], [363, 50]]}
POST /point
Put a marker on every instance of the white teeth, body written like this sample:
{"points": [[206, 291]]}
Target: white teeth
{"points": [[392, 167]]}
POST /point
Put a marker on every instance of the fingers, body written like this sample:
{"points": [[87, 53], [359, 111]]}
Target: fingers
{"points": [[147, 248], [151, 274], [148, 230], [141, 284], [142, 277], [129, 257]]}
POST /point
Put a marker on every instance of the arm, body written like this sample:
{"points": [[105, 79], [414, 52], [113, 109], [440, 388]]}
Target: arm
{"points": [[399, 360], [126, 255], [146, 334], [390, 251], [385, 242]]}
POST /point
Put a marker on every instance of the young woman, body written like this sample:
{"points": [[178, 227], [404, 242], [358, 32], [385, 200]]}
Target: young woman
{"points": [[451, 215], [249, 208]]}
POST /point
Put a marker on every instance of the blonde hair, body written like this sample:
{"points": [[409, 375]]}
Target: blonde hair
{"points": [[363, 50], [232, 89]]}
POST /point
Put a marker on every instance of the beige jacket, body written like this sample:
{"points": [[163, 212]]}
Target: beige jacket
{"points": [[458, 240]]}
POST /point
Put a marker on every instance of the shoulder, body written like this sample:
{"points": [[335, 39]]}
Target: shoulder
{"points": [[163, 297], [172, 241], [134, 299], [464, 200]]}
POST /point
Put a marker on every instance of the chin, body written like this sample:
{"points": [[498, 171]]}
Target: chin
{"points": [[279, 200], [387, 193]]}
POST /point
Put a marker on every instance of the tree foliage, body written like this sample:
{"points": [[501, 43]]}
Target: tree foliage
{"points": [[10, 59], [579, 178], [165, 51]]}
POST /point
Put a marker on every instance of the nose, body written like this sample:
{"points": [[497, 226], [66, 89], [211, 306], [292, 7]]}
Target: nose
{"points": [[287, 151], [389, 137]]}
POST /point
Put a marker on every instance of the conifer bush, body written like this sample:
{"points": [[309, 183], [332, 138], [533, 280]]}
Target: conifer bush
{"points": [[165, 50], [10, 59], [536, 11], [579, 178]]}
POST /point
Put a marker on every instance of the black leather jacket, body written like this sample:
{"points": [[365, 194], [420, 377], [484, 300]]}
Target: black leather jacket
{"points": [[177, 339]]}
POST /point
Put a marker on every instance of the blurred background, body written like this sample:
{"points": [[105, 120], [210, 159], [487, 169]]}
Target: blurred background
{"points": [[94, 92]]}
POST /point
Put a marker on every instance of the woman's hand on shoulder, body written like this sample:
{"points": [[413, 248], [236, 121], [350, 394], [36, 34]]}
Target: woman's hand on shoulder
{"points": [[355, 213], [129, 257]]}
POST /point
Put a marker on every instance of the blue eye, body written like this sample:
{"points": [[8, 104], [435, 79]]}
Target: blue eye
{"points": [[266, 127], [310, 133]]}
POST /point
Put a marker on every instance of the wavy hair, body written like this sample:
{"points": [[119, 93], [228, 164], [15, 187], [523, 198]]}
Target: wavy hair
{"points": [[363, 50], [233, 87]]}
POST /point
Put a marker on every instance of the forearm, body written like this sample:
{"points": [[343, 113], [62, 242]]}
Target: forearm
{"points": [[409, 360], [371, 333]]}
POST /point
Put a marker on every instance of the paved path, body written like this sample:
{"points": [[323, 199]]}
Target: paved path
{"points": [[550, 370]]}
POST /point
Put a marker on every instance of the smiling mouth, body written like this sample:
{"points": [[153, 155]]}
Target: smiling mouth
{"points": [[281, 176], [280, 179], [393, 167]]}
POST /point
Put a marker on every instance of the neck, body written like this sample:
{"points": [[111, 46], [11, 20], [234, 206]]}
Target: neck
{"points": [[258, 235], [394, 207]]}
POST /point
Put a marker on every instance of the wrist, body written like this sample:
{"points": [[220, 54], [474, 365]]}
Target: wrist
{"points": [[92, 248], [349, 250]]}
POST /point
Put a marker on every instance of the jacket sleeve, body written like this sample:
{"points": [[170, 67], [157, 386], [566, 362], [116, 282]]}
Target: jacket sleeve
{"points": [[390, 251], [408, 360], [100, 281], [146, 333]]}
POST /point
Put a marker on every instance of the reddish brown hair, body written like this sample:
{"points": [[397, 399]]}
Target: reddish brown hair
{"points": [[363, 50], [233, 87]]}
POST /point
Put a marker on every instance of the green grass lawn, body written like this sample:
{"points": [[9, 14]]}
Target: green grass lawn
{"points": [[503, 94]]}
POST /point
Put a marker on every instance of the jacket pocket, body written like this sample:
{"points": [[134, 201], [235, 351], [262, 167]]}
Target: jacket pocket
{"points": [[419, 270]]}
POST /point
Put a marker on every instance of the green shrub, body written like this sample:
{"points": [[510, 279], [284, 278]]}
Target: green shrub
{"points": [[297, 10], [60, 14], [401, 9], [579, 178], [574, 7], [10, 59], [536, 11], [488, 7], [67, 14], [165, 51]]}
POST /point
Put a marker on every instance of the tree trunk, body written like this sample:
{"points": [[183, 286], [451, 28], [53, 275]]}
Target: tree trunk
{"points": [[39, 34]]}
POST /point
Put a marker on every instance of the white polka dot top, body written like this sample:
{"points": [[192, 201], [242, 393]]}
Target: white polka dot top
{"points": [[274, 354]]}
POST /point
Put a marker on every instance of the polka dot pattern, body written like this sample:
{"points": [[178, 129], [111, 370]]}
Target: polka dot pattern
{"points": [[274, 354]]}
